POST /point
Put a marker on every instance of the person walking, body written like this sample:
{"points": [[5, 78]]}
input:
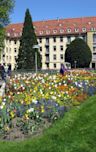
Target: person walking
{"points": [[9, 70], [62, 69], [2, 72]]}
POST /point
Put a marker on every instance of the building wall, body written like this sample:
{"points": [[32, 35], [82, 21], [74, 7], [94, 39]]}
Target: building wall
{"points": [[91, 41], [47, 51]]}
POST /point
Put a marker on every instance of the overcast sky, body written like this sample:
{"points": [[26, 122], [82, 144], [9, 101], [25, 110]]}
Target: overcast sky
{"points": [[52, 9]]}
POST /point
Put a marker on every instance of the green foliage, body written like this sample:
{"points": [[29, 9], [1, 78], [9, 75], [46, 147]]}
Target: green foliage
{"points": [[80, 52], [6, 7], [26, 56], [2, 36], [75, 132]]}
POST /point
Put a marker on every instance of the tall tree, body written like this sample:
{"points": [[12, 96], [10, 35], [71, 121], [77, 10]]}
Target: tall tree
{"points": [[78, 54], [6, 7], [26, 56]]}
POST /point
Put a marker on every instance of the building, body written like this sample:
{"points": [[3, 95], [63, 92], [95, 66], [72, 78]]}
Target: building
{"points": [[53, 37]]}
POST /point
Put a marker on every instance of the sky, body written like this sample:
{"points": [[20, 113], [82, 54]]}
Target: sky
{"points": [[52, 9]]}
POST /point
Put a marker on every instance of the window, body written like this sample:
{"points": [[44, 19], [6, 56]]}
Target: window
{"points": [[8, 34], [61, 39], [15, 34], [54, 48], [61, 56], [47, 49], [15, 57], [6, 49], [54, 39], [68, 39], [41, 32], [40, 40], [3, 55], [40, 49], [15, 42], [7, 58], [54, 57], [10, 41], [15, 50], [10, 50], [61, 31], [93, 29], [83, 29], [94, 38], [47, 32], [47, 40], [54, 65], [76, 30], [61, 47], [47, 65], [94, 49], [54, 31], [47, 58], [68, 30]]}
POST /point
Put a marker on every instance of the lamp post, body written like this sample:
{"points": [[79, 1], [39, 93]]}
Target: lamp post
{"points": [[36, 47], [75, 63]]}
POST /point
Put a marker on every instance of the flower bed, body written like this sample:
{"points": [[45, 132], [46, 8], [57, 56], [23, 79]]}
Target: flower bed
{"points": [[32, 102]]}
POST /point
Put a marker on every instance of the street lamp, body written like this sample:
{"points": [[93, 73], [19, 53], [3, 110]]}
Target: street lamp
{"points": [[36, 47], [75, 63]]}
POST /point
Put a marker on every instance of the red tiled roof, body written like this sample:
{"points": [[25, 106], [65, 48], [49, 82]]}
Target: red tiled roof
{"points": [[55, 27]]}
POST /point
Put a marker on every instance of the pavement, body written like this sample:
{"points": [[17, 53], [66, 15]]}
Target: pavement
{"points": [[2, 88]]}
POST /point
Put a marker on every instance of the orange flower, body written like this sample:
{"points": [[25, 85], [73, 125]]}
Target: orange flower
{"points": [[63, 87], [81, 97]]}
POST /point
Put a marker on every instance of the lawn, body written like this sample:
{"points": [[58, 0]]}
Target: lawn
{"points": [[75, 132]]}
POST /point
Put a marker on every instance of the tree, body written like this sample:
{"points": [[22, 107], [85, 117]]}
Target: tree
{"points": [[26, 56], [78, 54], [6, 7]]}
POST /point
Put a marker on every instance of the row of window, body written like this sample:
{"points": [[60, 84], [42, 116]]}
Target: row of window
{"points": [[9, 50], [55, 57], [68, 30], [8, 58], [54, 39], [61, 38], [9, 41], [47, 39], [54, 65], [54, 48]]}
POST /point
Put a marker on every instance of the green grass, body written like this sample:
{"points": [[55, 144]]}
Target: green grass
{"points": [[76, 132]]}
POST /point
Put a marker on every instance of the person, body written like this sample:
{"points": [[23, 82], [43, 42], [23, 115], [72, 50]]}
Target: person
{"points": [[62, 69], [9, 70], [2, 72]]}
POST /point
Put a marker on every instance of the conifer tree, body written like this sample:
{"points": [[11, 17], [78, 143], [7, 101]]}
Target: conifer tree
{"points": [[26, 56]]}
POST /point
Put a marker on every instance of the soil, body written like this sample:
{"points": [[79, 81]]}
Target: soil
{"points": [[16, 134]]}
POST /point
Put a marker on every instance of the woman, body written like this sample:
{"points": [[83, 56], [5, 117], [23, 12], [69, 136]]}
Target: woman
{"points": [[62, 69], [9, 70]]}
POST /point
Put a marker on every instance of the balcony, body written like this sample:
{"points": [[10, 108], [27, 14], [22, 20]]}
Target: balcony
{"points": [[47, 60], [47, 53], [94, 57], [94, 44], [47, 43]]}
